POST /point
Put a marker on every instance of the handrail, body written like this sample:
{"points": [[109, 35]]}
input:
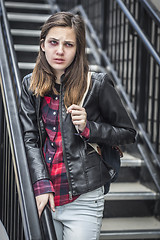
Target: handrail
{"points": [[132, 21], [139, 31], [150, 10], [27, 201]]}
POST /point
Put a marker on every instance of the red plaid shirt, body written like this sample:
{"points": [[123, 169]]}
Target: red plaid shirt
{"points": [[53, 153]]}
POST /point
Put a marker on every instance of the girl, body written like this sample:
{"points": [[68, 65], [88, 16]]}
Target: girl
{"points": [[65, 169]]}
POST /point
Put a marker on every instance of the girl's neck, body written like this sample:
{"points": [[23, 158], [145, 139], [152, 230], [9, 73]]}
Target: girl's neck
{"points": [[58, 77]]}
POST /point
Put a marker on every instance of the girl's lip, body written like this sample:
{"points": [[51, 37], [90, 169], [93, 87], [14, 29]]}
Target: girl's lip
{"points": [[59, 60]]}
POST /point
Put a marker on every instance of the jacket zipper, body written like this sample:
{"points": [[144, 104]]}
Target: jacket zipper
{"points": [[64, 154]]}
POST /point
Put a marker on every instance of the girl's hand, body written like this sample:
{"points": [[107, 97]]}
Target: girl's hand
{"points": [[42, 201], [78, 115]]}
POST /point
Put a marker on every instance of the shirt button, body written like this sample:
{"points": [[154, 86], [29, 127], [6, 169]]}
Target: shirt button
{"points": [[54, 113], [54, 128]]}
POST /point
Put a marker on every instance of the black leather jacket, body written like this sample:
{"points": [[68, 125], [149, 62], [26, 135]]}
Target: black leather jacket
{"points": [[109, 123]]}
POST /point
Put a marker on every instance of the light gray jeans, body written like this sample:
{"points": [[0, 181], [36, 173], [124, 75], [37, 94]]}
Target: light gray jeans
{"points": [[81, 219]]}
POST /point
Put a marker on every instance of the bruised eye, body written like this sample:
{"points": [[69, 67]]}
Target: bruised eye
{"points": [[69, 44], [54, 43]]}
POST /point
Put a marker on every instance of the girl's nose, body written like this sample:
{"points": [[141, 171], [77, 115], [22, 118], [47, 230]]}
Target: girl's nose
{"points": [[60, 50]]}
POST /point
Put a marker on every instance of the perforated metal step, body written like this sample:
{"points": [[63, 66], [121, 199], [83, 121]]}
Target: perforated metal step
{"points": [[26, 5], [130, 228], [130, 191], [28, 17]]}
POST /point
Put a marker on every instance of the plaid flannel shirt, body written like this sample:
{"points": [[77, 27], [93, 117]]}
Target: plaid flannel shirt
{"points": [[53, 153]]}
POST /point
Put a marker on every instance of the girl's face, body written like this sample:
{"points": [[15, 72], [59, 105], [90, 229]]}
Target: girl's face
{"points": [[60, 48]]}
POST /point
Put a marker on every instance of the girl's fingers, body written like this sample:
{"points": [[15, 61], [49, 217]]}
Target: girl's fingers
{"points": [[40, 208], [78, 115], [51, 201], [42, 201], [73, 107]]}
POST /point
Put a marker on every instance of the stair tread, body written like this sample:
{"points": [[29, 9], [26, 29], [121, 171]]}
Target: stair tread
{"points": [[130, 191], [26, 48], [129, 160], [26, 65], [27, 5], [28, 17], [129, 187], [132, 223], [25, 32]]}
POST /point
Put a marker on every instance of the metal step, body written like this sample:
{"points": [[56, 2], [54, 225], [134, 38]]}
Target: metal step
{"points": [[30, 1], [25, 33], [24, 65], [26, 48], [26, 5], [130, 191], [27, 17], [130, 228], [129, 160]]}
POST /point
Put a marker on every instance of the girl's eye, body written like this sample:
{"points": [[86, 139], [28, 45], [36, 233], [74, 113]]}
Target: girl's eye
{"points": [[54, 42], [69, 44]]}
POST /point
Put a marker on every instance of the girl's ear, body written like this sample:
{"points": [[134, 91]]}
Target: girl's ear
{"points": [[42, 45]]}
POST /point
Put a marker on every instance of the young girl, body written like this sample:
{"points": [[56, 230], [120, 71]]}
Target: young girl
{"points": [[65, 169]]}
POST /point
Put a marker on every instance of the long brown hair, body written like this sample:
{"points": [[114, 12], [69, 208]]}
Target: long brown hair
{"points": [[75, 81]]}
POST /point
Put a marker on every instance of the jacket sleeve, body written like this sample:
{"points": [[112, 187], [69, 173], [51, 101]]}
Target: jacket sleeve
{"points": [[28, 118], [115, 127]]}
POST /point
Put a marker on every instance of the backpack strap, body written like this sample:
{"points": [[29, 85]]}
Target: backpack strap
{"points": [[88, 84], [94, 145]]}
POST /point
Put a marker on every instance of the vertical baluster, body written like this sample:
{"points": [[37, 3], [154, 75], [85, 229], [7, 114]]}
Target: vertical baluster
{"points": [[6, 179], [8, 186], [132, 87], [11, 199], [119, 44], [158, 114], [15, 214]]}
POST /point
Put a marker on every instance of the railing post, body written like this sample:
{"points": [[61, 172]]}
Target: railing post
{"points": [[105, 25], [104, 38], [1, 148], [47, 225], [143, 69]]}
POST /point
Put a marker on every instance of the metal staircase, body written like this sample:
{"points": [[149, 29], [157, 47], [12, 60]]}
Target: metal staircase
{"points": [[131, 208]]}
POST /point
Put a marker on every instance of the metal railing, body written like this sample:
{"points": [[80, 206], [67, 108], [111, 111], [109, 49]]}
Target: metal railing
{"points": [[18, 211], [134, 51], [133, 47]]}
